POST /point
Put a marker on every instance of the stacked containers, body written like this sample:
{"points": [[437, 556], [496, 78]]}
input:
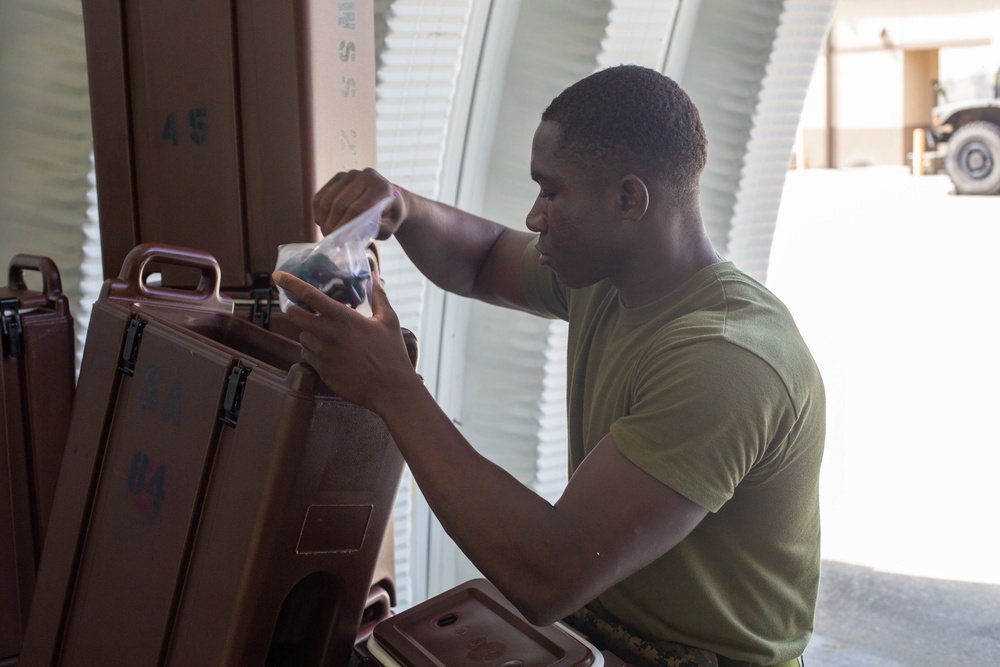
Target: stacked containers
{"points": [[36, 394], [215, 122], [216, 505], [178, 532]]}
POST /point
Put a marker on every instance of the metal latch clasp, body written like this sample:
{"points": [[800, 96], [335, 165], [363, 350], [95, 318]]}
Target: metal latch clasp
{"points": [[130, 350], [13, 332], [233, 399], [260, 314]]}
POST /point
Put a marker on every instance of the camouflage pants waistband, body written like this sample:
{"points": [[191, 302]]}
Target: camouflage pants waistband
{"points": [[635, 651]]}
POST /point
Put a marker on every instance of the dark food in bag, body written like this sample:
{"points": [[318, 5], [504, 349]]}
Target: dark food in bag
{"points": [[338, 264], [338, 284]]}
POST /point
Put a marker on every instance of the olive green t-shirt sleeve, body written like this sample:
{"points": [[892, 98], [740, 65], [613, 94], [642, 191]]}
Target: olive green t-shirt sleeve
{"points": [[545, 294], [702, 416]]}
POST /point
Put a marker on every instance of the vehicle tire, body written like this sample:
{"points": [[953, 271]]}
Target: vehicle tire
{"points": [[973, 160]]}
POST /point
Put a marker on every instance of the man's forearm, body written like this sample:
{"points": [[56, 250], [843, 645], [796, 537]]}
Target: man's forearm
{"points": [[509, 532], [447, 245]]}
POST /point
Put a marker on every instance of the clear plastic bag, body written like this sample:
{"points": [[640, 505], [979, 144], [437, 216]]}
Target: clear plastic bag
{"points": [[337, 264]]}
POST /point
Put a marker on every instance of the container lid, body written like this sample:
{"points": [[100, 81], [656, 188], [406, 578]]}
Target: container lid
{"points": [[473, 624]]}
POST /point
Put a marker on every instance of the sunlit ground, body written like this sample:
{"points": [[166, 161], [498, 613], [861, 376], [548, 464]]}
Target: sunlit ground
{"points": [[895, 285]]}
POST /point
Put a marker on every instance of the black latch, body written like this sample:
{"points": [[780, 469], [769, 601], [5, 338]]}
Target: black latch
{"points": [[234, 394], [13, 334], [130, 351], [261, 312]]}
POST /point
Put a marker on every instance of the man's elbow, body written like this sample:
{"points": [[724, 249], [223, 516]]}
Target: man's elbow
{"points": [[543, 603], [544, 616]]}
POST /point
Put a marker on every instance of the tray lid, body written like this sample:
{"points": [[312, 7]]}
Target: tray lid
{"points": [[473, 624]]}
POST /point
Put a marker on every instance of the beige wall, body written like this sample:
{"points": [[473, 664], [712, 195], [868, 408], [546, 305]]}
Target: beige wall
{"points": [[864, 104], [920, 73]]}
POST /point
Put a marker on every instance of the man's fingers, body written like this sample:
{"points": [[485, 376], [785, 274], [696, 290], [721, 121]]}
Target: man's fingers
{"points": [[333, 204], [309, 342], [381, 309], [379, 299], [346, 196]]}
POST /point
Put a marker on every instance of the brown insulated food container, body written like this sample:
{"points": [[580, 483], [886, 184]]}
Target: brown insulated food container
{"points": [[216, 121], [473, 624], [36, 387], [217, 505]]}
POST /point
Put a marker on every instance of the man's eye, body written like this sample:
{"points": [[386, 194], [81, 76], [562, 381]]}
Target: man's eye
{"points": [[544, 194]]}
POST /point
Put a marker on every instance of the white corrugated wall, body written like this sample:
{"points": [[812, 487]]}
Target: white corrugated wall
{"points": [[762, 55], [45, 143], [419, 54]]}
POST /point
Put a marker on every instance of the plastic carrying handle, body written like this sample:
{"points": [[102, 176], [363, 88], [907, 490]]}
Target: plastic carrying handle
{"points": [[130, 286], [51, 282]]}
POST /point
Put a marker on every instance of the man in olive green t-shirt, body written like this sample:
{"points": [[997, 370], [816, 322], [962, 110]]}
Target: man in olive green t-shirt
{"points": [[720, 400], [696, 414]]}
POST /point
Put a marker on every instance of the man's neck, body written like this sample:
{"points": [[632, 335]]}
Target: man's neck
{"points": [[664, 262]]}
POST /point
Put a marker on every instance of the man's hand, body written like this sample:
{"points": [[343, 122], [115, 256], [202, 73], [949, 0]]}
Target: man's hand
{"points": [[361, 359], [350, 193]]}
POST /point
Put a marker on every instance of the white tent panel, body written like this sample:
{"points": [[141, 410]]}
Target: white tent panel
{"points": [[800, 33], [45, 142], [419, 56]]}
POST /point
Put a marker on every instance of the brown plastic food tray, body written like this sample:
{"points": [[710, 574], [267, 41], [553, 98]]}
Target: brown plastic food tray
{"points": [[473, 624]]}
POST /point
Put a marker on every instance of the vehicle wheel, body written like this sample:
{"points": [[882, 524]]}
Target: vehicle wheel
{"points": [[973, 160]]}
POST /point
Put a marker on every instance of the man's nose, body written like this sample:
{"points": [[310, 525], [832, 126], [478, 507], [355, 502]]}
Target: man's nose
{"points": [[536, 219]]}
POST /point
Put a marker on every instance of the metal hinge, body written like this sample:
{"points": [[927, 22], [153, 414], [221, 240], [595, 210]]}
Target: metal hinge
{"points": [[260, 314], [130, 351], [234, 394], [13, 334]]}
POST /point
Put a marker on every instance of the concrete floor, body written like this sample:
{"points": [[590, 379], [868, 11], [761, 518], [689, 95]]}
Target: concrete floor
{"points": [[874, 619], [893, 282]]}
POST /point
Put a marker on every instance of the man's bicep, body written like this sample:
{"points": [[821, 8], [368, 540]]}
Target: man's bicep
{"points": [[630, 518], [499, 280]]}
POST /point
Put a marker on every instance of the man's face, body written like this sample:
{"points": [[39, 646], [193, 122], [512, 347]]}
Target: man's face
{"points": [[574, 214]]}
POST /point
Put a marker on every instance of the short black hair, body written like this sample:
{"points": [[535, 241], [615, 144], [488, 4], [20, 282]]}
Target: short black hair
{"points": [[632, 117]]}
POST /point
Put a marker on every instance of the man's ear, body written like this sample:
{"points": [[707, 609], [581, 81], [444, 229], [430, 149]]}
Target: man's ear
{"points": [[633, 197]]}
